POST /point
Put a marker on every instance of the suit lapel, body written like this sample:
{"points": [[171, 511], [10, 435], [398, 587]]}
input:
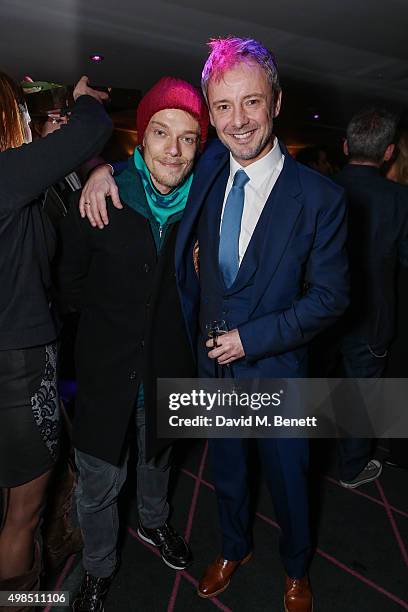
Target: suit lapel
{"points": [[206, 173], [212, 216], [285, 206]]}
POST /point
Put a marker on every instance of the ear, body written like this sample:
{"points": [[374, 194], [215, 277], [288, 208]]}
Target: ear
{"points": [[389, 151], [345, 148], [277, 105]]}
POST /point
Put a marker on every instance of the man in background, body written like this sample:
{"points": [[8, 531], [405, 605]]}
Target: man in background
{"points": [[377, 239]]}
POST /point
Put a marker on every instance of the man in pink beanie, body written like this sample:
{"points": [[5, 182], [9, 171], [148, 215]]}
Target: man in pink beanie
{"points": [[123, 282]]}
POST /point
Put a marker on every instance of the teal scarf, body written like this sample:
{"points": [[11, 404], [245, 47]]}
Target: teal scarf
{"points": [[162, 206]]}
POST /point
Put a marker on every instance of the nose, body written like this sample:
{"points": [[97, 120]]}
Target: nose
{"points": [[173, 147], [239, 117]]}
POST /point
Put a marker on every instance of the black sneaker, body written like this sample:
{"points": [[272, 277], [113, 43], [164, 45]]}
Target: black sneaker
{"points": [[173, 549], [91, 594], [371, 472]]}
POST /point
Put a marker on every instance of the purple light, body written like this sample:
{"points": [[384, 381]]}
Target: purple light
{"points": [[316, 116], [96, 58]]}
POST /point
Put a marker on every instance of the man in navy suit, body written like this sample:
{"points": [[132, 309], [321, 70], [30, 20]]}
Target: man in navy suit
{"points": [[271, 263], [277, 283]]}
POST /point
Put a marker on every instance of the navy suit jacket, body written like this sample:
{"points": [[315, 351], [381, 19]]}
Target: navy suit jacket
{"points": [[301, 282]]}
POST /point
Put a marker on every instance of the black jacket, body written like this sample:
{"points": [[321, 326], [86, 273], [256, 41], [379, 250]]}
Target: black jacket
{"points": [[378, 236], [26, 234], [131, 328]]}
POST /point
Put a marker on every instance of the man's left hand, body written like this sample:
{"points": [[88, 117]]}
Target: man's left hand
{"points": [[229, 348]]}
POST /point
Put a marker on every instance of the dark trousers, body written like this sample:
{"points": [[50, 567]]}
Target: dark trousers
{"points": [[99, 485], [359, 360], [285, 464]]}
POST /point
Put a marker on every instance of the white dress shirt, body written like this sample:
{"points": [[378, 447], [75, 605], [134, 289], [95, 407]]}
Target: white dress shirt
{"points": [[263, 175]]}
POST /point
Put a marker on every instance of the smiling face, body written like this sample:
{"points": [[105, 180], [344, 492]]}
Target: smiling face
{"points": [[242, 110], [170, 144]]}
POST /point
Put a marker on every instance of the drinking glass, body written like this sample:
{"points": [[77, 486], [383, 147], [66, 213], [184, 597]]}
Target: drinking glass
{"points": [[214, 330]]}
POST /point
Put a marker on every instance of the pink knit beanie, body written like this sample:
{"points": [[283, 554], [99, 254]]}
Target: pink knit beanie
{"points": [[170, 92]]}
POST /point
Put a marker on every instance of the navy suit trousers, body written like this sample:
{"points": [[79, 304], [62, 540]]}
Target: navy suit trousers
{"points": [[285, 465]]}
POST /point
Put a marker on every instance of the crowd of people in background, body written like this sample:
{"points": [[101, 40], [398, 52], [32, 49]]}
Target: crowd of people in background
{"points": [[187, 235]]}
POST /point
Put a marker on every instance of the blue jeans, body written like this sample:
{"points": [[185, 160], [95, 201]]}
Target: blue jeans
{"points": [[360, 360], [97, 492]]}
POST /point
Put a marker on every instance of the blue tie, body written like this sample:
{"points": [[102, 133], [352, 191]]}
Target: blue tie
{"points": [[228, 254]]}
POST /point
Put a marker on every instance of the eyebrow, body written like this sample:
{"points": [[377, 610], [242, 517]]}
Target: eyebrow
{"points": [[252, 95], [167, 127]]}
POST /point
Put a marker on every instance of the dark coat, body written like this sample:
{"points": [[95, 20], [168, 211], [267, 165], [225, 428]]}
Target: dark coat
{"points": [[131, 327], [26, 234], [378, 236]]}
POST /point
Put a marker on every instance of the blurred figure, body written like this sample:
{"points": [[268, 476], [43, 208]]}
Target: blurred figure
{"points": [[29, 407], [378, 236], [316, 158]]}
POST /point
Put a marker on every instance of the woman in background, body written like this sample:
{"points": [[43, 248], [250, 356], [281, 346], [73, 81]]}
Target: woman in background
{"points": [[29, 407]]}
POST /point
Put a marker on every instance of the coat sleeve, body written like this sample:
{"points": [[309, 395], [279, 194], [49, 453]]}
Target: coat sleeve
{"points": [[73, 259], [25, 172], [403, 237], [325, 299]]}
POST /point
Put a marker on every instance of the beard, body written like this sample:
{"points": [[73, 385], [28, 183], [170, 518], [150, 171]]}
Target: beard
{"points": [[171, 179]]}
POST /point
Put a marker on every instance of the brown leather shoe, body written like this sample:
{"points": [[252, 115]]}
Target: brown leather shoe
{"points": [[218, 575], [298, 596]]}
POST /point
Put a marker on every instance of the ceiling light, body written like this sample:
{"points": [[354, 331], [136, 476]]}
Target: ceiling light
{"points": [[96, 58]]}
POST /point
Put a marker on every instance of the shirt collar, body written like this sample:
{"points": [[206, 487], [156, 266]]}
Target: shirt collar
{"points": [[262, 168]]}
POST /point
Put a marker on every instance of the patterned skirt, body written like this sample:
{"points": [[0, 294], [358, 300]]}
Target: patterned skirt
{"points": [[29, 413]]}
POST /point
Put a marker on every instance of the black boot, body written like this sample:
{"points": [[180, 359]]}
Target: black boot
{"points": [[91, 594]]}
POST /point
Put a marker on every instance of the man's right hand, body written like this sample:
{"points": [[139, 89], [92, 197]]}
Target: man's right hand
{"points": [[98, 187]]}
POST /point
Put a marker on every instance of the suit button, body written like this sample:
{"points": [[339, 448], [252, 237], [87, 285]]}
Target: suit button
{"points": [[146, 267], [132, 375]]}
